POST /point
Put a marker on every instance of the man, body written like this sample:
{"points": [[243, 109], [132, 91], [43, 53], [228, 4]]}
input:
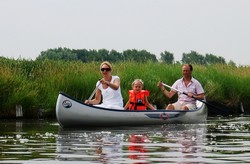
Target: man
{"points": [[186, 84]]}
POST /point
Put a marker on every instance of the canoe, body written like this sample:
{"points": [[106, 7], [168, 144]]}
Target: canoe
{"points": [[71, 112]]}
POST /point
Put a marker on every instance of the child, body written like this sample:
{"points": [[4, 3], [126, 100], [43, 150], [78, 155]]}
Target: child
{"points": [[138, 98]]}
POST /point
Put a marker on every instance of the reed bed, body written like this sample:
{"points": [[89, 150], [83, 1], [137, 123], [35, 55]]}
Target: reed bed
{"points": [[36, 84]]}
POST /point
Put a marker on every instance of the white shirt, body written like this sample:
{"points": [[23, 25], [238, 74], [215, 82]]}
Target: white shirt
{"points": [[111, 98], [194, 87]]}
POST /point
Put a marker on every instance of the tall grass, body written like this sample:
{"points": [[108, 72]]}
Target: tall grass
{"points": [[36, 84]]}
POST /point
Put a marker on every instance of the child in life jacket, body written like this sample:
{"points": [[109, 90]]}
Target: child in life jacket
{"points": [[138, 98]]}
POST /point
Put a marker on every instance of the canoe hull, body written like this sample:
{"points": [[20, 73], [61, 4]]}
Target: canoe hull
{"points": [[73, 113]]}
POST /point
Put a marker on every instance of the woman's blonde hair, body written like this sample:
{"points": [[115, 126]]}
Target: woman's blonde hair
{"points": [[106, 63]]}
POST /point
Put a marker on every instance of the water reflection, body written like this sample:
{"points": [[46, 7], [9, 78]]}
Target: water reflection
{"points": [[132, 145], [88, 145], [136, 146], [220, 140]]}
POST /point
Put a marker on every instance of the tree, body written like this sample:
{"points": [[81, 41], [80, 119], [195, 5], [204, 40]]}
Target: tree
{"points": [[212, 59], [58, 54], [93, 56], [167, 57], [130, 55], [82, 55], [138, 56], [193, 58], [115, 56], [144, 56], [103, 55], [231, 63]]}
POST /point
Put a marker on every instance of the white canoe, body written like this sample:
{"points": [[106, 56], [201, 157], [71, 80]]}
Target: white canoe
{"points": [[73, 113]]}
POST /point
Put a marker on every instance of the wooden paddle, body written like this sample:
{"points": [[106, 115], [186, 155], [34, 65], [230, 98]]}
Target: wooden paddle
{"points": [[92, 94], [192, 97]]}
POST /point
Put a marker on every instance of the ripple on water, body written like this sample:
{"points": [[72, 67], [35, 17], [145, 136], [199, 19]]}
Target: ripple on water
{"points": [[223, 140]]}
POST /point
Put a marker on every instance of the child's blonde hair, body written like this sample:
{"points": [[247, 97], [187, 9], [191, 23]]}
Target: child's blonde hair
{"points": [[137, 80]]}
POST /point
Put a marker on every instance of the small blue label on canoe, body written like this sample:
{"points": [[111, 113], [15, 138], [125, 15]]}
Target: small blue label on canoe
{"points": [[66, 104]]}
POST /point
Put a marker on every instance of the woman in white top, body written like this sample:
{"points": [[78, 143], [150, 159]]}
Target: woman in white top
{"points": [[109, 89]]}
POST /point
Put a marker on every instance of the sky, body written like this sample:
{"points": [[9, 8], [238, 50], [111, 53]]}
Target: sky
{"points": [[218, 27]]}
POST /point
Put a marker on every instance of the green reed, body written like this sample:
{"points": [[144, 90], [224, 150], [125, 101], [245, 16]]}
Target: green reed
{"points": [[36, 84]]}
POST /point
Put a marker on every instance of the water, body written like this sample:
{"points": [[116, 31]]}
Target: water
{"points": [[220, 140]]}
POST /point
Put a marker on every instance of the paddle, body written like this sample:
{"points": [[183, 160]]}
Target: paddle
{"points": [[92, 94], [192, 97]]}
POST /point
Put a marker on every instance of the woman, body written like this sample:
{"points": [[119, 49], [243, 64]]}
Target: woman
{"points": [[109, 89]]}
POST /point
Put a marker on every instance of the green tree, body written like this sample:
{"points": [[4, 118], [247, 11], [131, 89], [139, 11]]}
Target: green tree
{"points": [[115, 56], [212, 59], [103, 55], [93, 55], [130, 55], [146, 56], [82, 55], [193, 58], [167, 57], [231, 63], [58, 54], [138, 56]]}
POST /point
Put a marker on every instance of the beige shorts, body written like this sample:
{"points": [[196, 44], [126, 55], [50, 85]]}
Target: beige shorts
{"points": [[177, 106]]}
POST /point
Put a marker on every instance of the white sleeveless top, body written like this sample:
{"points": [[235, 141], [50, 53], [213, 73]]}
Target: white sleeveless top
{"points": [[111, 98]]}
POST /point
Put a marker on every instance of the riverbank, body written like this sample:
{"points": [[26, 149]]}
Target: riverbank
{"points": [[34, 85]]}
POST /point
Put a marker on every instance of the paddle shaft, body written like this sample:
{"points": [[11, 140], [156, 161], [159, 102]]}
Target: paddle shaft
{"points": [[192, 96], [178, 90], [92, 94]]}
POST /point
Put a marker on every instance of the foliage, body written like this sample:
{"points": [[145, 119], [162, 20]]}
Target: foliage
{"points": [[167, 57], [231, 63], [134, 55], [58, 54], [193, 58], [96, 55], [196, 58], [212, 59], [36, 84]]}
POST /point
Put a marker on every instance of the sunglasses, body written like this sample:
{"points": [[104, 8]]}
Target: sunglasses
{"points": [[105, 69]]}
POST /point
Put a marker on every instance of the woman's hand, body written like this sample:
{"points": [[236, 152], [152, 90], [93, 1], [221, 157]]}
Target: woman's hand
{"points": [[87, 102], [105, 82]]}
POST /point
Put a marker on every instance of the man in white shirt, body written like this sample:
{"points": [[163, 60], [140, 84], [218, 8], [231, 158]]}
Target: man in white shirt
{"points": [[186, 84]]}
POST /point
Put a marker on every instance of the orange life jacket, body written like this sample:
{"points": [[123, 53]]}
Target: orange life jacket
{"points": [[137, 101]]}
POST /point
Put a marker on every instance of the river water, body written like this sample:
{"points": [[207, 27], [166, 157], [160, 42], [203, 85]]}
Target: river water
{"points": [[219, 140]]}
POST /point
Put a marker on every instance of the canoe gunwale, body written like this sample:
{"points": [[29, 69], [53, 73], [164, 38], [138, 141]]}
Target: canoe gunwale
{"points": [[122, 110]]}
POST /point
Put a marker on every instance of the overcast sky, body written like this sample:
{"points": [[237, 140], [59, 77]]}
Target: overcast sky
{"points": [[218, 27]]}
